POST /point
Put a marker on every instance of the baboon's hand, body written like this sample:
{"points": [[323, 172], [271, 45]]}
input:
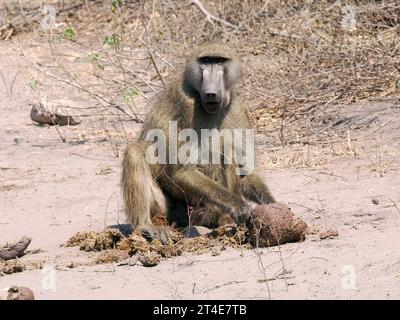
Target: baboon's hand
{"points": [[154, 232], [240, 212]]}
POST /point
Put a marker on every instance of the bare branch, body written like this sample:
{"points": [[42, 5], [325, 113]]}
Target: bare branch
{"points": [[210, 17]]}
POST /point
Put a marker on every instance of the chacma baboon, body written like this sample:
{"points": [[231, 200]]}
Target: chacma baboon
{"points": [[203, 97]]}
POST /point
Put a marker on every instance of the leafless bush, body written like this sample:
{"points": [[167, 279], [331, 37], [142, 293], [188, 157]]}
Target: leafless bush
{"points": [[306, 58]]}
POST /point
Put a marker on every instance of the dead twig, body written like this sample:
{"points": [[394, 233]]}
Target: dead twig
{"points": [[210, 17], [15, 250]]}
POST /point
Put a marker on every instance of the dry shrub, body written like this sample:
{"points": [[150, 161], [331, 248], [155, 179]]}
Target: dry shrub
{"points": [[305, 59]]}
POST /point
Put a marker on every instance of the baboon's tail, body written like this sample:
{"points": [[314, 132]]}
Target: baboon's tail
{"points": [[143, 197]]}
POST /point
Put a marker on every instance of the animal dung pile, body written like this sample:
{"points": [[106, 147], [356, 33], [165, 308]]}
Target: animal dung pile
{"points": [[274, 224], [150, 259], [114, 246], [95, 241], [16, 265], [112, 255], [13, 266], [270, 225]]}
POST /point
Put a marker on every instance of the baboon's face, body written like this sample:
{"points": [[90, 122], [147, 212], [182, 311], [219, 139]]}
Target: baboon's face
{"points": [[213, 79]]}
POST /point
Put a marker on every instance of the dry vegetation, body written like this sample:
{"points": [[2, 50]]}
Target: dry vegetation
{"points": [[305, 58]]}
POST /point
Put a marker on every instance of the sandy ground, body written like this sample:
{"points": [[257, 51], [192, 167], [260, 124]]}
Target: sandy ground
{"points": [[49, 190]]}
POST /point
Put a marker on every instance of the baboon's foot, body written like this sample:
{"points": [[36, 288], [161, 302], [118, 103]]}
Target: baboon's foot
{"points": [[152, 232]]}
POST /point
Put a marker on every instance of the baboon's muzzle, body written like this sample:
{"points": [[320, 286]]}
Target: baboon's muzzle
{"points": [[212, 91]]}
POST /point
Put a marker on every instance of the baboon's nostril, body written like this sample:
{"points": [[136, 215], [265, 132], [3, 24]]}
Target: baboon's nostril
{"points": [[211, 97]]}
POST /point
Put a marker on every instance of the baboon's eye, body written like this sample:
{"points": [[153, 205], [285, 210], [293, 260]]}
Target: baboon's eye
{"points": [[220, 60], [205, 60], [211, 60]]}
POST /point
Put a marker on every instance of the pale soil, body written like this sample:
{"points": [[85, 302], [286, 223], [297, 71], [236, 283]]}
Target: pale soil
{"points": [[49, 190]]}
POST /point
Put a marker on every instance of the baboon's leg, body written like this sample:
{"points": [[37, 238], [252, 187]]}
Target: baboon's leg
{"points": [[143, 197], [254, 189], [198, 189]]}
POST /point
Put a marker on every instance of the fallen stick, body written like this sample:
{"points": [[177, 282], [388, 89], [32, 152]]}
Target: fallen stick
{"points": [[40, 115], [15, 250]]}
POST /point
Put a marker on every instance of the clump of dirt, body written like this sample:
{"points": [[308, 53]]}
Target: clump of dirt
{"points": [[112, 255], [328, 234], [135, 243], [12, 266], [230, 234], [166, 251], [275, 224], [95, 241], [16, 265], [20, 293], [9, 254], [150, 259]]}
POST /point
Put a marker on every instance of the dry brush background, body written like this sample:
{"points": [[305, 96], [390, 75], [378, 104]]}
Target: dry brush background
{"points": [[304, 59]]}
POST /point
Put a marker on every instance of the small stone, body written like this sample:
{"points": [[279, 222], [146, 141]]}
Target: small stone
{"points": [[196, 231], [215, 253]]}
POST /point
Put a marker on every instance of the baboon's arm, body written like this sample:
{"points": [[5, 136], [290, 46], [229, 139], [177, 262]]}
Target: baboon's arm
{"points": [[254, 189], [200, 189]]}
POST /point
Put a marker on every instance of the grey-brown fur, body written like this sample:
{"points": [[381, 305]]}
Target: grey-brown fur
{"points": [[213, 190]]}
